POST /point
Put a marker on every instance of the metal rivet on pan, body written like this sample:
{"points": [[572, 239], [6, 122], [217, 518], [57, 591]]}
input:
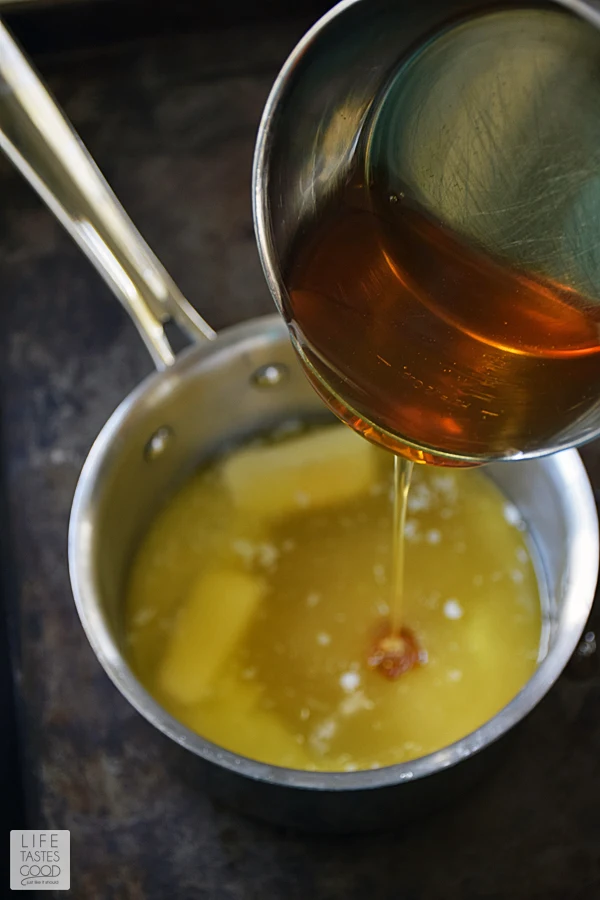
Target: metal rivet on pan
{"points": [[158, 443], [270, 375]]}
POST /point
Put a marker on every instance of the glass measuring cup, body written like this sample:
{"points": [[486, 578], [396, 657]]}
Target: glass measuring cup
{"points": [[426, 200]]}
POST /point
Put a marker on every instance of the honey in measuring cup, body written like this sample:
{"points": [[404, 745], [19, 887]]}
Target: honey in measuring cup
{"points": [[444, 296]]}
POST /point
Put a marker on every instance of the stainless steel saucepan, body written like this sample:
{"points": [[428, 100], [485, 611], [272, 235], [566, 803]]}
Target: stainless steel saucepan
{"points": [[221, 388]]}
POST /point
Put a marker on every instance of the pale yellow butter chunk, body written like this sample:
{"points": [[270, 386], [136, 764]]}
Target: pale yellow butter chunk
{"points": [[315, 470], [206, 631]]}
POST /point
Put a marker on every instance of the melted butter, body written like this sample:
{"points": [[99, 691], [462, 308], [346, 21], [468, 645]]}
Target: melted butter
{"points": [[256, 595]]}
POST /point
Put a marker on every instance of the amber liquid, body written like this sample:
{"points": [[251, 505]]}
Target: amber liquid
{"points": [[429, 346], [402, 477]]}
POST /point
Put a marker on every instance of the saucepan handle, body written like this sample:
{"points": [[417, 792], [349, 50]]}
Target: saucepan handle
{"points": [[42, 144]]}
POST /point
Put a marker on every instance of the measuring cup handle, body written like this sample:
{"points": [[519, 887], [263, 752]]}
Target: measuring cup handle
{"points": [[39, 140]]}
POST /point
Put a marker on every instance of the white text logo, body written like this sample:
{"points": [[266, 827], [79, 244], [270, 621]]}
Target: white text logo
{"points": [[40, 860]]}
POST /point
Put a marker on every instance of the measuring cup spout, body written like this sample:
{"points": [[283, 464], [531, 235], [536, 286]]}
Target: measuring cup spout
{"points": [[42, 144]]}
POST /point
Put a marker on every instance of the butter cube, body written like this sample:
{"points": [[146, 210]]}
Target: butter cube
{"points": [[205, 632], [315, 470]]}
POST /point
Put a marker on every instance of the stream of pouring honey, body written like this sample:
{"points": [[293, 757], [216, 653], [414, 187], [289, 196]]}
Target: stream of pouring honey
{"points": [[395, 650], [402, 477]]}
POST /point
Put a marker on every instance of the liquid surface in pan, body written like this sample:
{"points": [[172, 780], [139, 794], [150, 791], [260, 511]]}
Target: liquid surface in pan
{"points": [[259, 591]]}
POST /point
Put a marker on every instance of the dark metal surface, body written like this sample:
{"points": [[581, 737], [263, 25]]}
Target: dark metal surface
{"points": [[12, 809], [172, 122]]}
